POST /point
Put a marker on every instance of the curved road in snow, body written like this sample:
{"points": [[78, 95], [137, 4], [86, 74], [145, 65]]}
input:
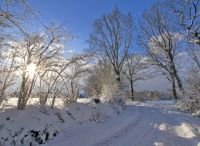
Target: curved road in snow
{"points": [[149, 124], [156, 126]]}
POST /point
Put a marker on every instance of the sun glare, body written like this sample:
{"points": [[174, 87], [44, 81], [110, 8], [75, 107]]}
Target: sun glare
{"points": [[31, 68]]}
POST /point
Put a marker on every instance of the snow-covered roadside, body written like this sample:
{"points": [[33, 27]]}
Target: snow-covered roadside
{"points": [[151, 123], [91, 133], [35, 125], [141, 124]]}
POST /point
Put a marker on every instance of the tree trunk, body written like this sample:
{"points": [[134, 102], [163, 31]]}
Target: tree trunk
{"points": [[72, 91], [54, 99], [3, 89], [21, 105], [179, 82], [118, 79], [2, 94], [174, 88], [132, 90], [43, 100]]}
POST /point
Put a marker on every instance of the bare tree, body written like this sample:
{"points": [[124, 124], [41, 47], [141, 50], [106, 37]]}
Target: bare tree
{"points": [[35, 54], [112, 37], [101, 82], [7, 74], [194, 82], [62, 79], [75, 73], [12, 13], [194, 52], [135, 69], [157, 38], [52, 77], [99, 75], [188, 12]]}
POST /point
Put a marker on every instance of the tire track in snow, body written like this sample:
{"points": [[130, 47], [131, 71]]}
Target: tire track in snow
{"points": [[108, 140], [120, 133], [141, 132]]}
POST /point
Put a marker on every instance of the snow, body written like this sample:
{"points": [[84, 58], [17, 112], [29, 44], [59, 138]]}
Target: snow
{"points": [[141, 124], [12, 102], [37, 125], [84, 100], [150, 123]]}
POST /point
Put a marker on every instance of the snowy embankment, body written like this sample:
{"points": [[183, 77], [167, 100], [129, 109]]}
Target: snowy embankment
{"points": [[35, 125], [141, 124]]}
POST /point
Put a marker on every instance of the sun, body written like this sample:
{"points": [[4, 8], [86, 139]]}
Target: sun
{"points": [[31, 69]]}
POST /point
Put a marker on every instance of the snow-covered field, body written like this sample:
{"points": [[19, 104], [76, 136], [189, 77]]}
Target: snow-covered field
{"points": [[12, 102], [140, 124], [59, 102]]}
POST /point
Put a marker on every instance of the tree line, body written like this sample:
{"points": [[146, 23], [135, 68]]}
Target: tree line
{"points": [[38, 63]]}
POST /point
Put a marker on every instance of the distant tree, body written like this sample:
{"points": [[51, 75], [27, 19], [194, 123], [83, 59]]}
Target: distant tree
{"points": [[7, 74], [161, 43], [135, 69], [75, 74], [193, 81], [194, 52], [101, 80]]}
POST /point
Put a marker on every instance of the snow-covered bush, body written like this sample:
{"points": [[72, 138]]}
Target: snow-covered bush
{"points": [[191, 106], [100, 80], [117, 104], [32, 127], [191, 103], [102, 83], [114, 95]]}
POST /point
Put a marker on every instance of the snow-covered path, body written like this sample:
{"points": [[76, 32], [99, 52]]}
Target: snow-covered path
{"points": [[150, 124]]}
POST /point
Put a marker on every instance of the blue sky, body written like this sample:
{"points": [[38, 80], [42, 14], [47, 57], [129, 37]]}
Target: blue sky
{"points": [[78, 16]]}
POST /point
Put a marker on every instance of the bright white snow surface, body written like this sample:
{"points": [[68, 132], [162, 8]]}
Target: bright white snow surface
{"points": [[154, 123], [141, 124]]}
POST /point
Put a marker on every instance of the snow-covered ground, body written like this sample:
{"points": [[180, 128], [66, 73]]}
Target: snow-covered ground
{"points": [[141, 124], [12, 102], [36, 125]]}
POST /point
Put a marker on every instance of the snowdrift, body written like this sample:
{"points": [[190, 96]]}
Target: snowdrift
{"points": [[36, 125]]}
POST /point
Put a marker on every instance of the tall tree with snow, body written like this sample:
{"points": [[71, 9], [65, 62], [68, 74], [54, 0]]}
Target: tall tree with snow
{"points": [[161, 43], [112, 37]]}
